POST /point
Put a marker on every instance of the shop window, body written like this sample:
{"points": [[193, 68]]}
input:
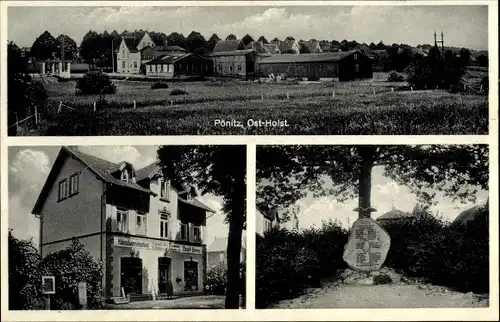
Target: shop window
{"points": [[165, 189], [140, 223], [164, 219], [197, 234], [122, 220], [63, 190], [184, 231], [74, 182], [191, 276], [131, 275]]}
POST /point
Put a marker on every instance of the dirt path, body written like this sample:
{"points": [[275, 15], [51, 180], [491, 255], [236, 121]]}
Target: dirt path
{"points": [[383, 296]]}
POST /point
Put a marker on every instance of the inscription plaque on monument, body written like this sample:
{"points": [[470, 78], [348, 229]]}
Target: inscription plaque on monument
{"points": [[368, 245]]}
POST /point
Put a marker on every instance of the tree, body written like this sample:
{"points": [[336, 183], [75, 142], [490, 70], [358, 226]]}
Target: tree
{"points": [[231, 37], [381, 46], [90, 48], [176, 39], [44, 47], [372, 46], [196, 43], [465, 56], [289, 171], [212, 41], [263, 40], [247, 39], [24, 275], [69, 45], [219, 170], [482, 60]]}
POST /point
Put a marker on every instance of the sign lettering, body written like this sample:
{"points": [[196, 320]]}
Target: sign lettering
{"points": [[156, 245]]}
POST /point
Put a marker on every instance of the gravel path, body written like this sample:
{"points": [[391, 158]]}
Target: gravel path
{"points": [[383, 296]]}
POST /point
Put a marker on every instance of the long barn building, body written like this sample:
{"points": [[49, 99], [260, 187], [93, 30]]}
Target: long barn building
{"points": [[345, 66]]}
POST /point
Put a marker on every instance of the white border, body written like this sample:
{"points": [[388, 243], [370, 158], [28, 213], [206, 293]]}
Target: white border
{"points": [[250, 313]]}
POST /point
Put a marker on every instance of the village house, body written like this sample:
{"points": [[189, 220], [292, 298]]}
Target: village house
{"points": [[273, 49], [136, 49], [170, 66], [345, 66], [217, 252], [288, 46], [310, 47], [393, 216], [269, 219], [232, 58], [146, 229]]}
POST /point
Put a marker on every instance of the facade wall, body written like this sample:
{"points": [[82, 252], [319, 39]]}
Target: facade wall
{"points": [[127, 62], [216, 258], [160, 70], [91, 243], [314, 69], [150, 269], [145, 42], [193, 66], [234, 65], [355, 66], [79, 214]]}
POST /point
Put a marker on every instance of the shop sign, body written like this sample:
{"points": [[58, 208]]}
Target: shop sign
{"points": [[156, 245]]}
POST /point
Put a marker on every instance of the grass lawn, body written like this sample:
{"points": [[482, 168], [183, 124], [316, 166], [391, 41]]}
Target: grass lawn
{"points": [[307, 108]]}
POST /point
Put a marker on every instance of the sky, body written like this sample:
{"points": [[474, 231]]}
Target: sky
{"points": [[30, 166], [386, 195], [463, 26]]}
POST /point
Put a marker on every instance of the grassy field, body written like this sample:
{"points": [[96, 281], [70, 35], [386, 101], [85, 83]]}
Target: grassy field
{"points": [[366, 107]]}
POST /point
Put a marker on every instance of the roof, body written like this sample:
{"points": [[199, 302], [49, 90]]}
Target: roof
{"points": [[196, 203], [305, 58], [220, 245], [395, 214], [147, 172], [100, 167], [271, 47], [169, 59], [165, 48], [131, 44], [228, 45], [468, 215], [310, 45], [257, 46], [285, 46], [233, 52]]}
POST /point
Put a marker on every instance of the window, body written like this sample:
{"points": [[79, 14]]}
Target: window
{"points": [[164, 219], [124, 176], [165, 189], [267, 225], [140, 223], [355, 56], [74, 182], [63, 190], [122, 220], [150, 68], [356, 68], [197, 234], [239, 68], [221, 257], [135, 64], [123, 64], [218, 68], [184, 231], [230, 68]]}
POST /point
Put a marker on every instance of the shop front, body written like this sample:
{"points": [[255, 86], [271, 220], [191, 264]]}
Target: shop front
{"points": [[154, 267]]}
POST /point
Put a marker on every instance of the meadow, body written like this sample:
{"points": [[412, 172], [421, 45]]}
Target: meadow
{"points": [[353, 108]]}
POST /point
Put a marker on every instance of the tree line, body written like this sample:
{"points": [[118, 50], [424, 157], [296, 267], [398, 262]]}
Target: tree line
{"points": [[96, 48]]}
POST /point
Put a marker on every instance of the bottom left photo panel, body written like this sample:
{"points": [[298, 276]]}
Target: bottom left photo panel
{"points": [[127, 227]]}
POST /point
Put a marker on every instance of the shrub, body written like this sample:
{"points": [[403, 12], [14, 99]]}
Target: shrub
{"points": [[216, 280], [395, 77], [485, 83], [428, 247], [178, 91], [95, 82], [70, 266], [160, 84], [24, 276], [382, 279]]}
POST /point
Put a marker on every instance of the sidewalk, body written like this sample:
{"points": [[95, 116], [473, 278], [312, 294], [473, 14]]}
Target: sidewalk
{"points": [[191, 302]]}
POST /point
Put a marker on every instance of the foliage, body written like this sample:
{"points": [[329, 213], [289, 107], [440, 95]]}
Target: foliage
{"points": [[428, 247], [482, 60], [288, 262], [395, 77], [216, 279], [247, 39], [485, 82], [44, 47], [212, 41], [24, 275], [178, 91], [263, 40], [159, 84], [211, 170], [196, 43], [95, 82], [231, 37], [68, 45], [382, 279], [71, 266], [23, 93]]}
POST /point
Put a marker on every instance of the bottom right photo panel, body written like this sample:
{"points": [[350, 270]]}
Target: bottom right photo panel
{"points": [[372, 226]]}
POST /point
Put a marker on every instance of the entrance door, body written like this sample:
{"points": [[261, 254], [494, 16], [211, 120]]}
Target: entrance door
{"points": [[190, 276], [131, 275], [164, 276]]}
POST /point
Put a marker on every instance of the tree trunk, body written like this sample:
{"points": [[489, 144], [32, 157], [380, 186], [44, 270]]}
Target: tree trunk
{"points": [[233, 262], [365, 188]]}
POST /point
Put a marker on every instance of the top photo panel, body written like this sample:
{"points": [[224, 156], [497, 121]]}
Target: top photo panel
{"points": [[247, 70]]}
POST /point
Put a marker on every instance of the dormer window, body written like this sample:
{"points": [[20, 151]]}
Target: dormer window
{"points": [[125, 176], [189, 196]]}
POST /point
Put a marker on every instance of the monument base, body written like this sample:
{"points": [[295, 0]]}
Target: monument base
{"points": [[385, 276]]}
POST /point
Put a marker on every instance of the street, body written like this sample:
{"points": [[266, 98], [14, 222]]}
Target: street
{"points": [[191, 302]]}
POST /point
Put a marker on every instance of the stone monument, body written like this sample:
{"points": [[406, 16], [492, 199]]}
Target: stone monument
{"points": [[368, 244]]}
